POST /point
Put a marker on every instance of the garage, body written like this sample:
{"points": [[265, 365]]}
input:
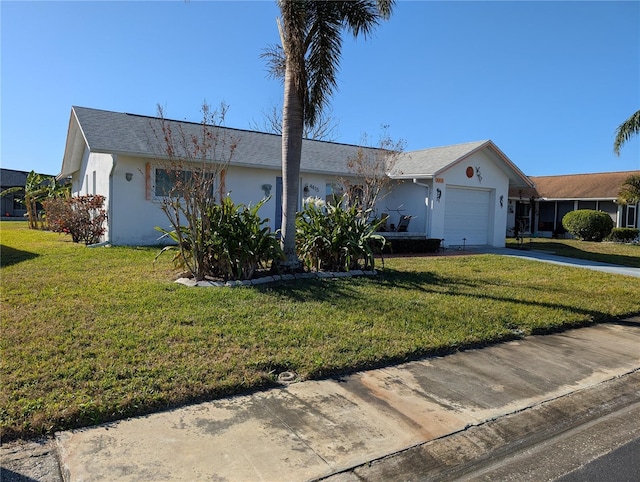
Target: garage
{"points": [[467, 216]]}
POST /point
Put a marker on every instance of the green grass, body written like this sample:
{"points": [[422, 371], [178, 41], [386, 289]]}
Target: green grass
{"points": [[605, 252], [96, 334]]}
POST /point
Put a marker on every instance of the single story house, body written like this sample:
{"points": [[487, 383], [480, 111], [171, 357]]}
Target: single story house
{"points": [[12, 204], [538, 211], [457, 193]]}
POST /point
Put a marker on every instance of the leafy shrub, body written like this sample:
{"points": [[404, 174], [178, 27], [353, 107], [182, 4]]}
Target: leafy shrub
{"points": [[83, 217], [233, 240], [588, 225], [335, 238], [624, 235]]}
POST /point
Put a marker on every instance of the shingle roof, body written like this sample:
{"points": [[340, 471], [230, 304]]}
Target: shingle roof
{"points": [[14, 178], [141, 136], [122, 133], [428, 162], [604, 185]]}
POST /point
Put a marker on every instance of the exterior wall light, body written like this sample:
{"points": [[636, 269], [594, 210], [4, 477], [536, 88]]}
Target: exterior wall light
{"points": [[128, 176]]}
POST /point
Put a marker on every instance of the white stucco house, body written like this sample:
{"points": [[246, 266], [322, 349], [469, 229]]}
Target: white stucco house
{"points": [[456, 193]]}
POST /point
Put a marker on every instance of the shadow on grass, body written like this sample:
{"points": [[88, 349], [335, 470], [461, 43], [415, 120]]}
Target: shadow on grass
{"points": [[10, 256], [570, 251], [427, 282], [7, 475], [421, 281]]}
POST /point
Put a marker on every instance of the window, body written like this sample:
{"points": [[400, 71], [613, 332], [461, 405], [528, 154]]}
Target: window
{"points": [[334, 192], [547, 212], [18, 202], [172, 182], [356, 195], [631, 216], [587, 205], [523, 218], [162, 182]]}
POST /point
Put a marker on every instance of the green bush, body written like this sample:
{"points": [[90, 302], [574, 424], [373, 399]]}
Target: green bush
{"points": [[588, 225], [336, 238], [235, 243], [624, 235]]}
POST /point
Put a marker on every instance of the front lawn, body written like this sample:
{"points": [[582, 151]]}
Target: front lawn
{"points": [[605, 252], [96, 334]]}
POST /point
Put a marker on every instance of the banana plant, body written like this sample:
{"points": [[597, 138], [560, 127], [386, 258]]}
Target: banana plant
{"points": [[36, 189]]}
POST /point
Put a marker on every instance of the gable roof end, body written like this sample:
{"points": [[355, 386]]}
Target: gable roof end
{"points": [[74, 148], [429, 163]]}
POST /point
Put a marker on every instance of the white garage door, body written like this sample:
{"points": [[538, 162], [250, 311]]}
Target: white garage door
{"points": [[466, 216]]}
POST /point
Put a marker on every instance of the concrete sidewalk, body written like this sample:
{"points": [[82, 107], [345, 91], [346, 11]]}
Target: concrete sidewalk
{"points": [[546, 257], [335, 428]]}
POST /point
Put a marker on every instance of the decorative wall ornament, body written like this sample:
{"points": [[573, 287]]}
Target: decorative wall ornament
{"points": [[438, 194], [469, 172], [501, 200], [478, 174], [267, 189]]}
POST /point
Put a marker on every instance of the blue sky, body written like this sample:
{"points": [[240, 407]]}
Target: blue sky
{"points": [[548, 82]]}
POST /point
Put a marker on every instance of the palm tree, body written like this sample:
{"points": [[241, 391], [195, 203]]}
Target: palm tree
{"points": [[626, 131], [630, 191], [311, 38]]}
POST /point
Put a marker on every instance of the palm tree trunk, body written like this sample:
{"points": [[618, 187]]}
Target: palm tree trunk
{"points": [[292, 128]]}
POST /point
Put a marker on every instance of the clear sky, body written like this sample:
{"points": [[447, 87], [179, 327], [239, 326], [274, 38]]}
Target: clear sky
{"points": [[548, 82]]}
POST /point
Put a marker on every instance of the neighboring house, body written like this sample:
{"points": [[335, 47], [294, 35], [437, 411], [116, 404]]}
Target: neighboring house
{"points": [[539, 211], [457, 193], [12, 204]]}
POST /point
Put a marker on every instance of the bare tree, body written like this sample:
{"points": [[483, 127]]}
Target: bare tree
{"points": [[370, 168], [325, 128], [193, 162]]}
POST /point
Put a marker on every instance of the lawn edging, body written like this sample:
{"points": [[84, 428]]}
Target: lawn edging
{"points": [[192, 283]]}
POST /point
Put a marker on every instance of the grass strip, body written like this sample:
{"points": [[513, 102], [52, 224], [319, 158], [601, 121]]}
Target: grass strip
{"points": [[623, 254]]}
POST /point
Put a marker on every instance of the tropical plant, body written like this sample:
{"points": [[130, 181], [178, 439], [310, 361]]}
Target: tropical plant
{"points": [[626, 131], [195, 161], [630, 191], [237, 244], [82, 217], [37, 188], [587, 224], [336, 238], [308, 61]]}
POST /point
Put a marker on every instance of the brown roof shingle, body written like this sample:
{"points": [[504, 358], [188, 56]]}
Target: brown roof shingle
{"points": [[604, 185]]}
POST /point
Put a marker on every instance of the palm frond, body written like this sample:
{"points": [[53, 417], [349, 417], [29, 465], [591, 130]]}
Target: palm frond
{"points": [[273, 55], [630, 191], [626, 131]]}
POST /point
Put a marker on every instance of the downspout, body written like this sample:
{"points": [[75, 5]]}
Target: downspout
{"points": [[110, 199], [427, 219]]}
